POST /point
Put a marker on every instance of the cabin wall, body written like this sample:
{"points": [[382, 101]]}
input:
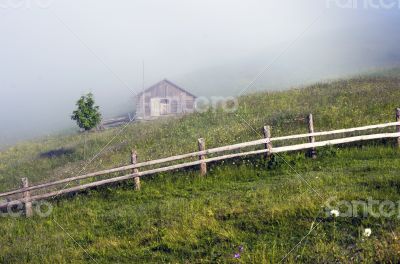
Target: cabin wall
{"points": [[179, 102]]}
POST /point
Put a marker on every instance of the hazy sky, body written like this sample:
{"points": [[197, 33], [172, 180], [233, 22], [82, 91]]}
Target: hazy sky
{"points": [[53, 51]]}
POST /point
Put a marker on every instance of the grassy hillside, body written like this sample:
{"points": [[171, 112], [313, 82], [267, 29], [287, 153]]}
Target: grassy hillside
{"points": [[178, 217]]}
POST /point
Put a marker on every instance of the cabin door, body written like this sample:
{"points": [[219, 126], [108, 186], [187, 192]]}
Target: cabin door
{"points": [[164, 106], [155, 107]]}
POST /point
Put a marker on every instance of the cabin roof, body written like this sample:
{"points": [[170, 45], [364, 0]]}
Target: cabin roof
{"points": [[168, 82]]}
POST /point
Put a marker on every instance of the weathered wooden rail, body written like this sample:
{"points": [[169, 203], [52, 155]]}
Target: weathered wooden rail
{"points": [[266, 142]]}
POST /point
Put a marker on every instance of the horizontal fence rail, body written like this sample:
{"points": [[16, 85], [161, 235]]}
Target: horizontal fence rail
{"points": [[133, 175], [197, 153], [201, 154], [339, 131], [142, 164], [335, 142]]}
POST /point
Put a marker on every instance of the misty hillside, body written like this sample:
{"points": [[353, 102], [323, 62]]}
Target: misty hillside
{"points": [[106, 108], [261, 209], [336, 104]]}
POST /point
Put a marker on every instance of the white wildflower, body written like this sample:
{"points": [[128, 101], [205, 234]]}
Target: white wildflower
{"points": [[367, 232], [334, 213]]}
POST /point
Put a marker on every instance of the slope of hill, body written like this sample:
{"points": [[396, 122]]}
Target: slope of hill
{"points": [[266, 208]]}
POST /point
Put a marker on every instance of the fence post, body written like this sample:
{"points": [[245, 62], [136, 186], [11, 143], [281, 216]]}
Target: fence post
{"points": [[398, 127], [27, 195], [135, 170], [313, 152], [267, 135], [203, 165]]}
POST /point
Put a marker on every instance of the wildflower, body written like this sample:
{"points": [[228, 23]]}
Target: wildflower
{"points": [[241, 248], [237, 255], [334, 213], [367, 232]]}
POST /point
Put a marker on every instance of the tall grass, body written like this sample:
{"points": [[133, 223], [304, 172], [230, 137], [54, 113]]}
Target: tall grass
{"points": [[266, 207]]}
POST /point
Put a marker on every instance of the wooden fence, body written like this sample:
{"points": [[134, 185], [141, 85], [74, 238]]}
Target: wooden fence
{"points": [[266, 142]]}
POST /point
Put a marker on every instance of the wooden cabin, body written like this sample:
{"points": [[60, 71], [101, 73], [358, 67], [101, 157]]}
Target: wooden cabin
{"points": [[164, 99]]}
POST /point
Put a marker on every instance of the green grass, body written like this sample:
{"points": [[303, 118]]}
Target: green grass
{"points": [[267, 207]]}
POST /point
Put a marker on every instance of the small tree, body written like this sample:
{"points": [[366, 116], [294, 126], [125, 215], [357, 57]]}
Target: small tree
{"points": [[87, 115]]}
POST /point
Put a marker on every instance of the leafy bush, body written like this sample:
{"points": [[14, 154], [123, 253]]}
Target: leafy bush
{"points": [[87, 115]]}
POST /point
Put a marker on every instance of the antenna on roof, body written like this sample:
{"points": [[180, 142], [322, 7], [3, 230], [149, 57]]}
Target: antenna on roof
{"points": [[143, 106], [143, 76]]}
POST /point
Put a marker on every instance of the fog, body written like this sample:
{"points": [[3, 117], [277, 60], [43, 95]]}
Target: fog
{"points": [[52, 51]]}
